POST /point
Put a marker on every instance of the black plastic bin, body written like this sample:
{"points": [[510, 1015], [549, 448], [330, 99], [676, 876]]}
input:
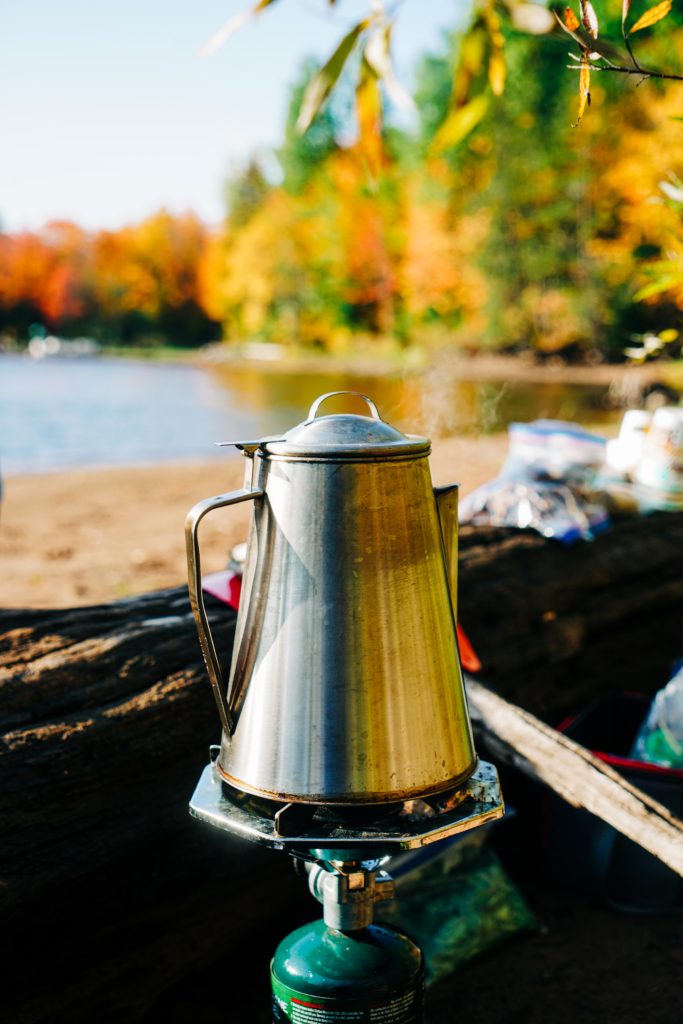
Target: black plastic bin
{"points": [[591, 856]]}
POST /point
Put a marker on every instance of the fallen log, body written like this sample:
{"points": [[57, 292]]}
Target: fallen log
{"points": [[110, 893], [107, 716], [517, 738], [556, 626]]}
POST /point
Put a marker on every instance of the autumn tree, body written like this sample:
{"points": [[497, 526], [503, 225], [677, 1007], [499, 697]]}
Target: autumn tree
{"points": [[138, 283]]}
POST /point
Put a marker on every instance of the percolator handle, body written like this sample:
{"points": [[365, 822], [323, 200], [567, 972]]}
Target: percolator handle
{"points": [[194, 582], [330, 394]]}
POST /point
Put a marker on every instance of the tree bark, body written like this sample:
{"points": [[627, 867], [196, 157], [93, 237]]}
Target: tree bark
{"points": [[111, 893], [555, 626]]}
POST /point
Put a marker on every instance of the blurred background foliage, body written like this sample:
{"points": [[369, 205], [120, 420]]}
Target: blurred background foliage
{"points": [[504, 228]]}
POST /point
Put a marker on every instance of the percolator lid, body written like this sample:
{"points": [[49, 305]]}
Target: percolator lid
{"points": [[345, 436]]}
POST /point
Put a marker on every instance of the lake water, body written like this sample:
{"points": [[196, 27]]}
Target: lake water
{"points": [[59, 413]]}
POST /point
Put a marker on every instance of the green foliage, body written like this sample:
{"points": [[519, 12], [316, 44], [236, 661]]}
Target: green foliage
{"points": [[542, 280]]}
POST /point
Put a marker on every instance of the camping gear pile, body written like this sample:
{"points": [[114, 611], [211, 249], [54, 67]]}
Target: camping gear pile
{"points": [[566, 482]]}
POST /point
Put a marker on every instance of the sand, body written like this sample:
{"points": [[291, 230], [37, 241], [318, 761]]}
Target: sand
{"points": [[91, 536]]}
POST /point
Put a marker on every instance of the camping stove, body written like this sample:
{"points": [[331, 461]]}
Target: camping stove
{"points": [[345, 967], [375, 830], [345, 730]]}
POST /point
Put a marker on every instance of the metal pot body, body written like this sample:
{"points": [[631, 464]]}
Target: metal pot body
{"points": [[345, 684]]}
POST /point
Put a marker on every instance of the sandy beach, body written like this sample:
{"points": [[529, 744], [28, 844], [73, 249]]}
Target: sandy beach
{"points": [[89, 536]]}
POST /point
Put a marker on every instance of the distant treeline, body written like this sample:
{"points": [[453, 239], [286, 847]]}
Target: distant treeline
{"points": [[137, 284], [527, 234]]}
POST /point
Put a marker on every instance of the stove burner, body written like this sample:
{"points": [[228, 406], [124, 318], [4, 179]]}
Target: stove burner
{"points": [[298, 827]]}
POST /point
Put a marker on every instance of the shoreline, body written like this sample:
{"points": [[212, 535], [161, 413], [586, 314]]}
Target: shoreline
{"points": [[105, 467], [420, 362], [90, 536], [413, 361]]}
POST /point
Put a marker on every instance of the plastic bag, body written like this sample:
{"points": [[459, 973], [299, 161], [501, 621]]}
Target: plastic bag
{"points": [[554, 450], [546, 483], [457, 906], [660, 738]]}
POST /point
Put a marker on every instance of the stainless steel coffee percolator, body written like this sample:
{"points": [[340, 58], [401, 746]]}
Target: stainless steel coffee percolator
{"points": [[345, 685]]}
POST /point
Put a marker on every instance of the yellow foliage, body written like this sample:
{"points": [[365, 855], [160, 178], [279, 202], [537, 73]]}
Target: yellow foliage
{"points": [[649, 149], [439, 270]]}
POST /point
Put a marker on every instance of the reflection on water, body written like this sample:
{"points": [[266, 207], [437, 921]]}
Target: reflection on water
{"points": [[283, 399], [427, 404], [66, 412]]}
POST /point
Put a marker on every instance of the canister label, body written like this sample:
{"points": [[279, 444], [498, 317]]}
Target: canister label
{"points": [[291, 1007]]}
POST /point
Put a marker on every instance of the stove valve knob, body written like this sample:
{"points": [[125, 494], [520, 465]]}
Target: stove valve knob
{"points": [[348, 899]]}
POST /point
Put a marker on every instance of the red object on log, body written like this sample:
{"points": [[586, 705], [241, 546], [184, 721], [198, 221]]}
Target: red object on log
{"points": [[468, 656]]}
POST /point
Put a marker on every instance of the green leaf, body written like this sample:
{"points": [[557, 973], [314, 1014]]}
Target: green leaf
{"points": [[322, 83], [460, 122]]}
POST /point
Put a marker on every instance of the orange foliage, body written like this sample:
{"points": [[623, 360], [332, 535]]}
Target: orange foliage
{"points": [[440, 274], [149, 265], [25, 263], [364, 225], [66, 274]]}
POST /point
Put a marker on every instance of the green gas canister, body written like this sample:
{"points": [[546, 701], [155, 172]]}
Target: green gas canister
{"points": [[320, 975]]}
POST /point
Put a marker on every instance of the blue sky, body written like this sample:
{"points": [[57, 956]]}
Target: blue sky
{"points": [[107, 113]]}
